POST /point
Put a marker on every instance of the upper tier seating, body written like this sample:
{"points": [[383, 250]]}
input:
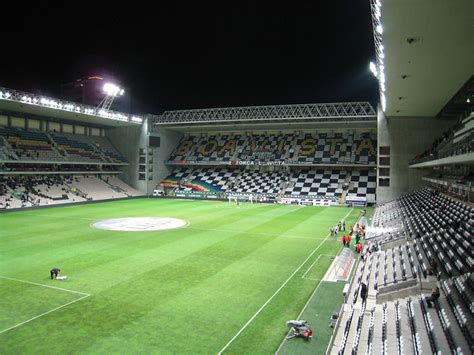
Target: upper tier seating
{"points": [[23, 144], [32, 145], [457, 140], [106, 147], [292, 148], [77, 148]]}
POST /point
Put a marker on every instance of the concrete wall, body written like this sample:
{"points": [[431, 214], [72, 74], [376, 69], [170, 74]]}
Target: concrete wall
{"points": [[407, 137], [168, 142], [129, 140]]}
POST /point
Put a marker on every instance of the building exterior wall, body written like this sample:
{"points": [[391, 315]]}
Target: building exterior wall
{"points": [[406, 137]]}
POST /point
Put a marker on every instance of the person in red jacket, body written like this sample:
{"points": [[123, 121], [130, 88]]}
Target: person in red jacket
{"points": [[344, 240], [358, 247]]}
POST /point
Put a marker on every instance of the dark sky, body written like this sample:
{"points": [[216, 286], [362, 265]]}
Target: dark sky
{"points": [[177, 55]]}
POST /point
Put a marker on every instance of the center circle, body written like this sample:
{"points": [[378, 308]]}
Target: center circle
{"points": [[139, 224]]}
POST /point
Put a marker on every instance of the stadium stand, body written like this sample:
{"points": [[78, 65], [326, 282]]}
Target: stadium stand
{"points": [[32, 145], [434, 247], [20, 144], [322, 183], [458, 140], [40, 190], [294, 148]]}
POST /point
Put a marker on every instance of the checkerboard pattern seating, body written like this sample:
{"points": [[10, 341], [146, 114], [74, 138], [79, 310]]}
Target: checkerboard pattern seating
{"points": [[297, 148], [333, 148], [363, 183], [316, 182], [330, 183], [216, 177], [260, 182]]}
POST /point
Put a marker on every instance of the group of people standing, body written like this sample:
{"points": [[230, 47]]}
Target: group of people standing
{"points": [[339, 227], [358, 232]]}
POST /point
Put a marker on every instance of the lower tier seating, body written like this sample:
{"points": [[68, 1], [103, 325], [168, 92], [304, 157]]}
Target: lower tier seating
{"points": [[27, 191], [432, 248], [306, 183]]}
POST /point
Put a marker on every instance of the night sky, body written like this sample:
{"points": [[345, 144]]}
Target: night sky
{"points": [[175, 55]]}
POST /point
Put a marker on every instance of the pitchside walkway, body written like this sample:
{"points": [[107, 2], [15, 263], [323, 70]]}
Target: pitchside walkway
{"points": [[325, 302]]}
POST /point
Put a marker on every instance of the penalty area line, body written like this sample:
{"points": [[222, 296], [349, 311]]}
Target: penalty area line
{"points": [[300, 314], [43, 314], [278, 291], [83, 296], [43, 285]]}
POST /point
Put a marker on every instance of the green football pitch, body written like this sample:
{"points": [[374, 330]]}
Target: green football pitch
{"points": [[226, 281]]}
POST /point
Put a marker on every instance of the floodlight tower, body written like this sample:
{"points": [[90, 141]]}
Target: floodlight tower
{"points": [[111, 92]]}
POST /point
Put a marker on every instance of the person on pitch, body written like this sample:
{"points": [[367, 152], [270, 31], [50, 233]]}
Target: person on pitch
{"points": [[54, 272]]}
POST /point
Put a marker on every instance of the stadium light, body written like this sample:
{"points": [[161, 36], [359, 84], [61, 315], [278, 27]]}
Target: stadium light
{"points": [[373, 68], [379, 29], [112, 90]]}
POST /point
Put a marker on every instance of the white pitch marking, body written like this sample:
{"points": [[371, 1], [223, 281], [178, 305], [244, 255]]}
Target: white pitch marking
{"points": [[301, 313], [84, 295], [43, 285], [311, 279], [320, 255], [43, 314], [276, 292], [314, 262]]}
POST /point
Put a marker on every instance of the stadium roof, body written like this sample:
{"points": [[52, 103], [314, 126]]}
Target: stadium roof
{"points": [[27, 103], [277, 116], [427, 53]]}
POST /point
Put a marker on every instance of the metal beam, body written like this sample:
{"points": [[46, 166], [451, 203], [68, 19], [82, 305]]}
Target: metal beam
{"points": [[343, 111]]}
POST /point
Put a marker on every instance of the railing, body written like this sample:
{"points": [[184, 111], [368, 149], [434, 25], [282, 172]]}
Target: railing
{"points": [[464, 147]]}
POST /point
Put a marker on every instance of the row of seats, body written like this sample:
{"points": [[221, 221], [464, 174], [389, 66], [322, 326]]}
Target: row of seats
{"points": [[455, 141], [26, 191], [296, 148], [320, 182], [429, 226], [408, 325], [21, 144]]}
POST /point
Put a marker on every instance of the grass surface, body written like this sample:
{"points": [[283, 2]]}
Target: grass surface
{"points": [[187, 290]]}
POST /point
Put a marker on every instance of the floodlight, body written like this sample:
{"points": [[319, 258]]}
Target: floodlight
{"points": [[112, 89], [382, 77], [373, 68], [383, 101], [379, 29]]}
